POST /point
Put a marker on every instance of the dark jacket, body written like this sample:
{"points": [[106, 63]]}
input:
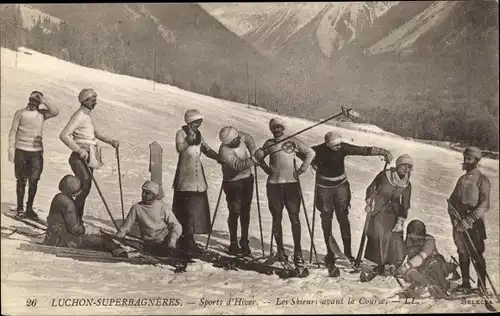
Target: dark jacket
{"points": [[330, 163], [64, 225]]}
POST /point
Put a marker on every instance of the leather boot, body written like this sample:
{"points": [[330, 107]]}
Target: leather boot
{"points": [[346, 240], [464, 261], [234, 249], [245, 248], [20, 190]]}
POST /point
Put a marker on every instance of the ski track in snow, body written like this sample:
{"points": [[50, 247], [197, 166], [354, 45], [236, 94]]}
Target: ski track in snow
{"points": [[130, 111]]}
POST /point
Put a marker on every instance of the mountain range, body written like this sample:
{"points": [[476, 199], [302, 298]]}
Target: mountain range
{"points": [[391, 60]]}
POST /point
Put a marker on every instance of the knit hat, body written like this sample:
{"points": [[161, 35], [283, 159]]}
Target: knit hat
{"points": [[85, 94], [35, 95], [70, 184], [227, 134], [192, 115], [276, 121], [332, 138], [416, 227], [474, 152], [151, 186], [404, 159]]}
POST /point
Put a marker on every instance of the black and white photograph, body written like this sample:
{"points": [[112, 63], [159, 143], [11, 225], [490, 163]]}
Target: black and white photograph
{"points": [[250, 158]]}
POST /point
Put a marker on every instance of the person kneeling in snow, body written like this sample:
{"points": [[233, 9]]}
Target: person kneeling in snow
{"points": [[425, 266], [158, 226], [65, 227]]}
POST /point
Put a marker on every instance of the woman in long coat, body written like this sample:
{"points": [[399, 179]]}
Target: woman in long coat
{"points": [[388, 199], [190, 204]]}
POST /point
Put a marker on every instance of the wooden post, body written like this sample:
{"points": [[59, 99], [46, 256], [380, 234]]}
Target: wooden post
{"points": [[155, 165]]}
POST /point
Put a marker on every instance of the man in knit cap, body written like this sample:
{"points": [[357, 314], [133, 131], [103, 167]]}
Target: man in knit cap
{"points": [[26, 148], [190, 203], [65, 227], [81, 136], [238, 154], [157, 223], [471, 199], [333, 192], [282, 184]]}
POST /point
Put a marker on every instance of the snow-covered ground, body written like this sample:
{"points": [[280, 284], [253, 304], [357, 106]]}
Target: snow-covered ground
{"points": [[130, 111]]}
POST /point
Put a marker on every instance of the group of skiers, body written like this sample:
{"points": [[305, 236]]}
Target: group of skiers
{"points": [[387, 197]]}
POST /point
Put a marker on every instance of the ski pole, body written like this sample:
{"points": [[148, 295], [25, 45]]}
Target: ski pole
{"points": [[305, 213], [358, 259], [345, 112], [215, 214], [120, 181], [258, 210], [313, 217], [472, 254], [100, 193]]}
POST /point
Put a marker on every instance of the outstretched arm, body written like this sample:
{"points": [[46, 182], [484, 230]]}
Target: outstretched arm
{"points": [[99, 134], [128, 223], [208, 151], [353, 150]]}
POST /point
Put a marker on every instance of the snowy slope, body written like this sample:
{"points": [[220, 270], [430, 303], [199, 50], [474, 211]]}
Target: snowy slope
{"points": [[131, 112]]}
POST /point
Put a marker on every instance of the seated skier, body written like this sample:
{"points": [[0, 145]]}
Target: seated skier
{"points": [[65, 227], [158, 226], [425, 266]]}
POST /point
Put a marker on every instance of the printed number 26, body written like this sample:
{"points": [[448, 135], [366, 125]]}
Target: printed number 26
{"points": [[31, 302]]}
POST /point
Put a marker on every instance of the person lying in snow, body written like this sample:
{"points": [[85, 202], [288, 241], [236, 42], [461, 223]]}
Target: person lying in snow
{"points": [[65, 227], [425, 266], [158, 226]]}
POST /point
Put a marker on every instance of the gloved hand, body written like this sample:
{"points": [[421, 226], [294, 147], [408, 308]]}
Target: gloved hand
{"points": [[398, 227], [298, 172], [83, 153], [368, 207], [191, 138], [465, 223], [387, 155], [259, 154]]}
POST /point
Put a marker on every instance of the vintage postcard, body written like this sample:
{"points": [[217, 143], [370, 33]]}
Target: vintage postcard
{"points": [[250, 158]]}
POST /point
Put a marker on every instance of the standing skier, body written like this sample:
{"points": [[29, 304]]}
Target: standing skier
{"points": [[282, 185], [388, 201], [190, 203], [26, 148], [81, 136], [425, 266], [471, 199], [333, 192], [238, 154]]}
